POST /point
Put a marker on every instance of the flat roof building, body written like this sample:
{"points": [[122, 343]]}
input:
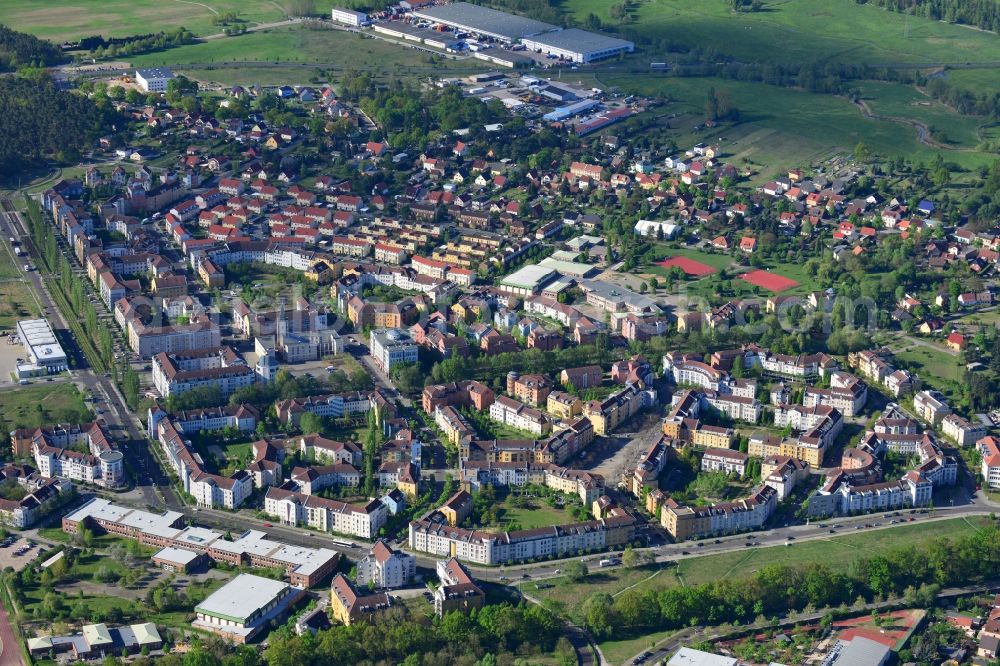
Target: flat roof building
{"points": [[483, 21], [41, 344], [528, 280], [690, 657], [242, 607], [153, 79], [578, 45], [348, 17]]}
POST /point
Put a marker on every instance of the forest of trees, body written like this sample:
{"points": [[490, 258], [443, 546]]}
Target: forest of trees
{"points": [[40, 122], [983, 14], [18, 49], [494, 634]]}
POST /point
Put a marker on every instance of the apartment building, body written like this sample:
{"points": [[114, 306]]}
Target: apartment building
{"points": [[783, 473], [176, 373], [55, 457], [989, 451], [454, 426], [735, 407], [330, 405], [847, 394], [467, 393], [385, 568], [687, 522], [518, 415], [531, 389], [348, 606], [584, 485], [963, 431], [391, 347], [457, 591], [645, 476], [727, 461], [606, 415], [495, 548], [294, 508], [931, 406]]}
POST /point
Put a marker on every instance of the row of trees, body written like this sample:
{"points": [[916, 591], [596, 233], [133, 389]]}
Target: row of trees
{"points": [[75, 291], [914, 572]]}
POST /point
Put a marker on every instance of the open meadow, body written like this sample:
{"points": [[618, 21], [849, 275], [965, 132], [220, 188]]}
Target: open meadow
{"points": [[291, 54], [806, 30]]}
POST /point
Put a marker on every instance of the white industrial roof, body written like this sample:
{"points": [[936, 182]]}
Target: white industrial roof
{"points": [[37, 335], [484, 20], [176, 555], [528, 277], [579, 41], [242, 596], [689, 657]]}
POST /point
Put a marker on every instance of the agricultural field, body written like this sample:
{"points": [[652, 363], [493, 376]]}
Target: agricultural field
{"points": [[807, 30], [290, 49], [60, 20], [37, 405]]}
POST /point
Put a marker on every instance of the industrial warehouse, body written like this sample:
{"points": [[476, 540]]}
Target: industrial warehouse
{"points": [[573, 44]]}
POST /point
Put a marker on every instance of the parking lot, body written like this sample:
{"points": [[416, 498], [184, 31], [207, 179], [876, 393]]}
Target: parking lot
{"points": [[9, 556]]}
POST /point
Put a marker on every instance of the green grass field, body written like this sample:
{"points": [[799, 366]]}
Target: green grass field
{"points": [[784, 127], [16, 302], [295, 48], [539, 515], [71, 19], [937, 367], [37, 405], [797, 31], [839, 552]]}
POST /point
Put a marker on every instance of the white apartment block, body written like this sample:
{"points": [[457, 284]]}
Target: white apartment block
{"points": [[989, 450], [735, 407], [727, 461], [392, 346], [293, 508], [518, 415], [180, 372], [386, 568], [931, 406], [963, 431], [214, 491]]}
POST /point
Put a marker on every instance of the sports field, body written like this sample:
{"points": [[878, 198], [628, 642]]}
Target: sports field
{"points": [[689, 266], [770, 281]]}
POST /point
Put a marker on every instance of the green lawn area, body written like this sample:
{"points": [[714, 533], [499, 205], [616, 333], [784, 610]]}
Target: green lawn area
{"points": [[806, 30], [937, 367], [838, 552], [617, 652], [539, 515], [71, 19], [294, 52], [16, 302], [38, 405]]}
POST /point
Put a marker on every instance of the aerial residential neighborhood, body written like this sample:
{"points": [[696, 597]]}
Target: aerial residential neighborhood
{"points": [[440, 332]]}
